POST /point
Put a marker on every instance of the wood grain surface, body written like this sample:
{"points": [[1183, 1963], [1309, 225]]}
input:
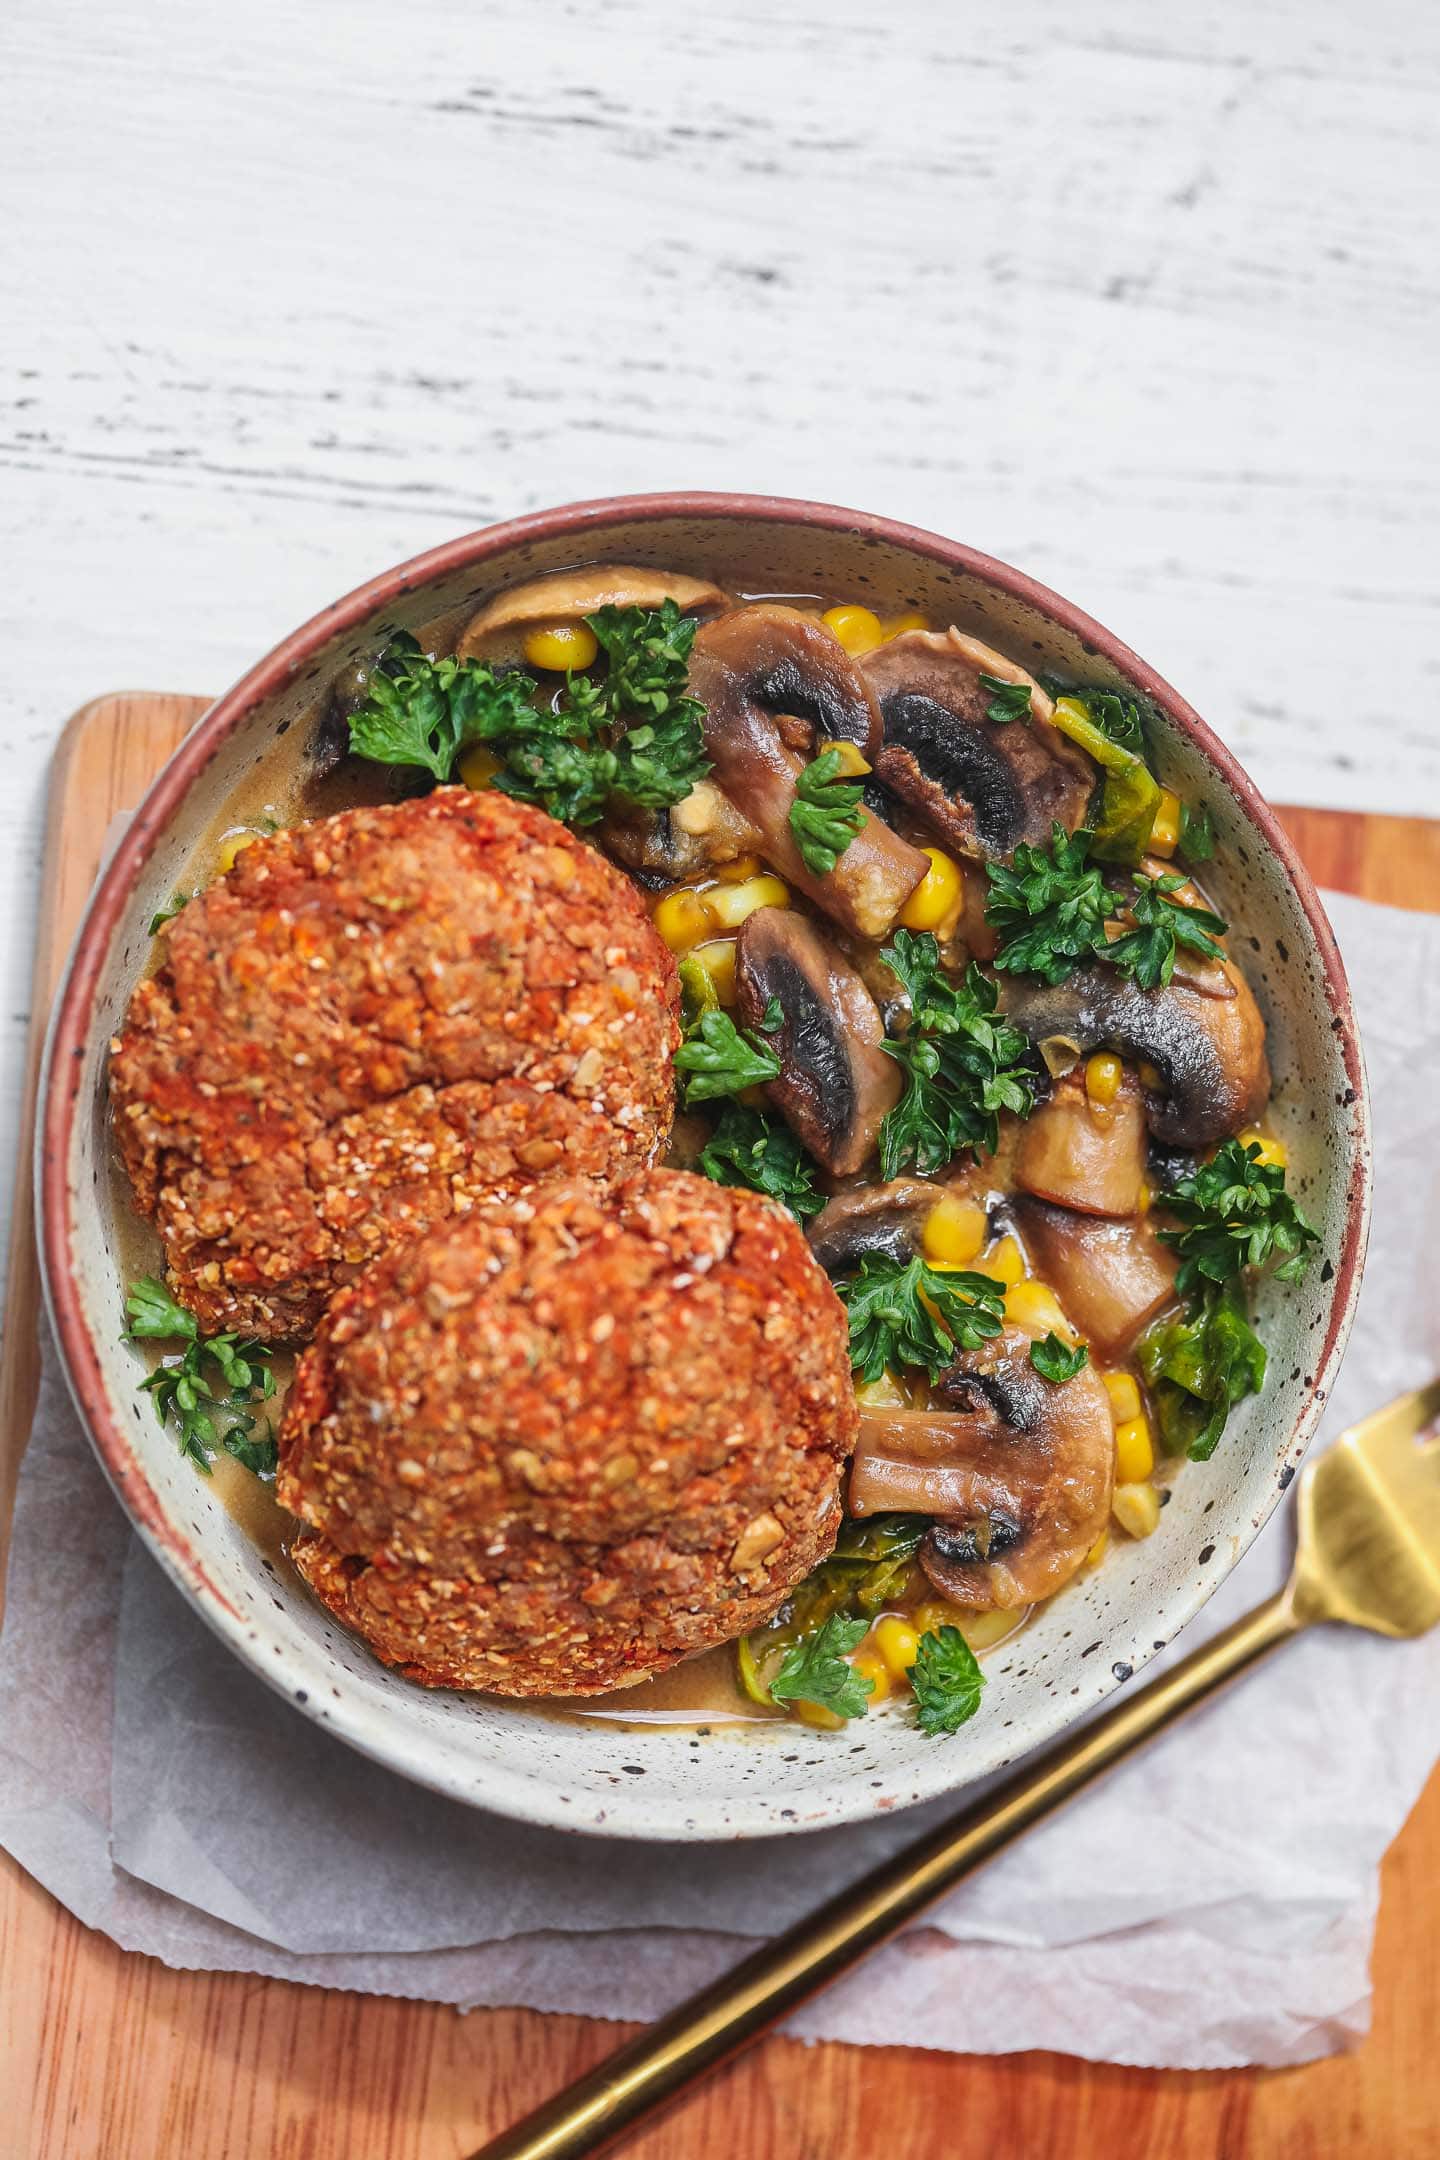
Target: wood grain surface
{"points": [[110, 2055]]}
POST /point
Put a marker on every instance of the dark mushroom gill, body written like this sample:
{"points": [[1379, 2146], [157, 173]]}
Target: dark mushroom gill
{"points": [[981, 785]]}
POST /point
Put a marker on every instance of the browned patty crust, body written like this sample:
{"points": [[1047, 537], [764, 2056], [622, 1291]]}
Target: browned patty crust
{"points": [[553, 1447], [373, 1021]]}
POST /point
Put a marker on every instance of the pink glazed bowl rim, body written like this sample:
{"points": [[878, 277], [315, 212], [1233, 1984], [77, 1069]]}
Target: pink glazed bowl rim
{"points": [[71, 1025]]}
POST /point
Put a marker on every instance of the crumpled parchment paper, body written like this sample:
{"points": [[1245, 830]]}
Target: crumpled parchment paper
{"points": [[1211, 1905]]}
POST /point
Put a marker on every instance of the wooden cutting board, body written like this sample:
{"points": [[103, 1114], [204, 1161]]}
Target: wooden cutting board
{"points": [[112, 2055]]}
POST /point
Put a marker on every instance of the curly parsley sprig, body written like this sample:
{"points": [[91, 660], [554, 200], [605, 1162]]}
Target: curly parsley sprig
{"points": [[748, 1148], [632, 733], [1235, 1214], [1054, 912], [963, 1064], [909, 1313]]}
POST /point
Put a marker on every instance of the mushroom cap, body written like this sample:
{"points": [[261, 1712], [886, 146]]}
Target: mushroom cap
{"points": [[566, 595], [982, 785], [1208, 1042], [774, 683], [1019, 1471], [880, 1220], [836, 1083]]}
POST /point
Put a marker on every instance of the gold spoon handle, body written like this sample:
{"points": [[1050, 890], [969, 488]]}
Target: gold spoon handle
{"points": [[773, 1980]]}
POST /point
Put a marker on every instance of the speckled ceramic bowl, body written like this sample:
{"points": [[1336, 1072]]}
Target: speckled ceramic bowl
{"points": [[732, 1782]]}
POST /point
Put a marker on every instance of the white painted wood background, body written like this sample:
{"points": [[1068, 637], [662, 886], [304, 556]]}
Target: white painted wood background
{"points": [[1143, 298]]}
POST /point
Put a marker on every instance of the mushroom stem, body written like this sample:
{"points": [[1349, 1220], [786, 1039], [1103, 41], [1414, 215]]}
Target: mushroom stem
{"points": [[1019, 1470]]}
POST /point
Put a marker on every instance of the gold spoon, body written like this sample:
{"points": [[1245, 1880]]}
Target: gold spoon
{"points": [[1368, 1554]]}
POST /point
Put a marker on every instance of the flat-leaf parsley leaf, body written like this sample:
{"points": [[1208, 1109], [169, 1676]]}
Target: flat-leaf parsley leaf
{"points": [[632, 733], [825, 815], [1161, 925], [1058, 1361], [947, 1680], [1008, 700], [1050, 906], [720, 1059], [817, 1670]]}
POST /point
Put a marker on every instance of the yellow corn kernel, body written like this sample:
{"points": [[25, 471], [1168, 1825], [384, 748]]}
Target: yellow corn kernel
{"points": [[1134, 1450], [1136, 1508], [814, 1713], [735, 873], [954, 1230], [1103, 1074], [728, 905], [478, 766], [1144, 1197], [1124, 1392], [718, 958], [1097, 1551], [1165, 832], [886, 1393], [1271, 1149], [897, 625], [875, 1671], [896, 1643], [1033, 1305], [937, 894], [234, 845], [1004, 1263], [562, 645], [853, 763], [1150, 1075], [682, 919], [857, 628], [935, 1613]]}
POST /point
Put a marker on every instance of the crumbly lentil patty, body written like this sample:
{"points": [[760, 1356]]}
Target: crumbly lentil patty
{"points": [[553, 1447], [376, 1020]]}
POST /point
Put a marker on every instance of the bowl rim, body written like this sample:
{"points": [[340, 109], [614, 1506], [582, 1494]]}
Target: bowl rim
{"points": [[521, 1796]]}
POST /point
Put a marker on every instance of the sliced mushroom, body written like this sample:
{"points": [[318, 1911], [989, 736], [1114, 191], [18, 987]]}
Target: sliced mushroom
{"points": [[568, 594], [774, 684], [1085, 1154], [1209, 1048], [982, 785], [671, 845], [836, 1083], [1018, 1469], [1111, 1277], [883, 1220]]}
